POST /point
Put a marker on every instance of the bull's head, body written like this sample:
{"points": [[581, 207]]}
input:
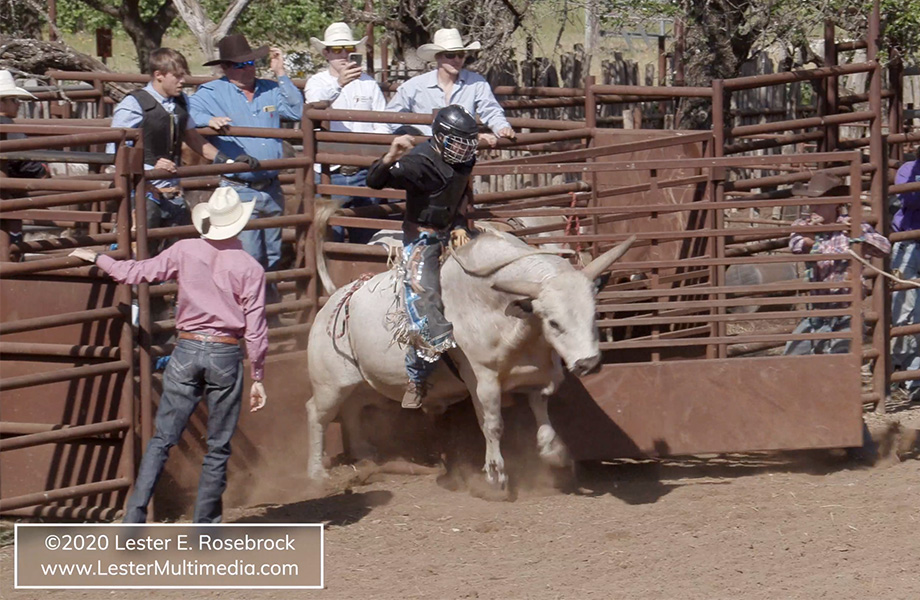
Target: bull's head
{"points": [[564, 304]]}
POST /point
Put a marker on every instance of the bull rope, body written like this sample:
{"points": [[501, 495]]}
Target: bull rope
{"points": [[343, 305], [573, 224]]}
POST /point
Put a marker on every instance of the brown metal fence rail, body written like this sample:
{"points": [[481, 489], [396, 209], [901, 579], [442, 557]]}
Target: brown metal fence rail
{"points": [[76, 436]]}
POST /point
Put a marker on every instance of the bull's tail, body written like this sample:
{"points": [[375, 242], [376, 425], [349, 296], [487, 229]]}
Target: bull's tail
{"points": [[325, 209]]}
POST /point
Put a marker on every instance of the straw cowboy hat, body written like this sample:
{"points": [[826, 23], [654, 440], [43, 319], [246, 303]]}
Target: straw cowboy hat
{"points": [[223, 215], [234, 49], [445, 40], [337, 34], [8, 87], [821, 184]]}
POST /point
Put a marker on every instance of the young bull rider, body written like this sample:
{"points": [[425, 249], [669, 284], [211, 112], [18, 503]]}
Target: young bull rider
{"points": [[436, 178], [221, 299]]}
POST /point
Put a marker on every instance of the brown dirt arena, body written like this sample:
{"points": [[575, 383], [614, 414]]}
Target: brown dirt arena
{"points": [[796, 525]]}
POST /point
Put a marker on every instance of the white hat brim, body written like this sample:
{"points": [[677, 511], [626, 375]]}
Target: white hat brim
{"points": [[428, 51], [320, 45], [17, 92], [220, 232]]}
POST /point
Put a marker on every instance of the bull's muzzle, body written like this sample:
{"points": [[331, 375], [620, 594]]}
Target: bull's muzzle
{"points": [[583, 366]]}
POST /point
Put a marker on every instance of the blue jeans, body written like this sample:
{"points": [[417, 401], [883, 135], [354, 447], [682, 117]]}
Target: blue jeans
{"points": [[264, 245], [905, 310], [431, 332], [356, 235], [195, 368], [819, 325]]}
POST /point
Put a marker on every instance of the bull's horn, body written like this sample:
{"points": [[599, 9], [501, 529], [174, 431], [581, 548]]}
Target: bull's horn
{"points": [[597, 266], [521, 288]]}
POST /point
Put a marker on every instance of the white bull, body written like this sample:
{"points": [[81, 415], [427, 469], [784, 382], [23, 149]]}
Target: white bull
{"points": [[518, 315]]}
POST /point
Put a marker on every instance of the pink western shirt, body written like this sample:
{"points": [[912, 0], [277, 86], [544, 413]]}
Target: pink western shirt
{"points": [[221, 290]]}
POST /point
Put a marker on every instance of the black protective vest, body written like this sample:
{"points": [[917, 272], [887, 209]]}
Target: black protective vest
{"points": [[437, 205], [163, 132]]}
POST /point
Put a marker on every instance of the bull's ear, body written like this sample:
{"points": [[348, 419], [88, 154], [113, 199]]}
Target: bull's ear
{"points": [[601, 281], [520, 309]]}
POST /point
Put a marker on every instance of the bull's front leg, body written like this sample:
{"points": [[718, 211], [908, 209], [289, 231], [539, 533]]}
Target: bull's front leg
{"points": [[553, 450], [487, 400]]}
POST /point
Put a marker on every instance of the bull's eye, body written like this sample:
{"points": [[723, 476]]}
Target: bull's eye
{"points": [[555, 325]]}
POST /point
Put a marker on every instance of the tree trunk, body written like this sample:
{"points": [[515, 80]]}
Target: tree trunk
{"points": [[206, 31], [719, 39], [34, 57]]}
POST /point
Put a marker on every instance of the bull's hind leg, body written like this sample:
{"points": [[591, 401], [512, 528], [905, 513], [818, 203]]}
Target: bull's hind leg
{"points": [[322, 408], [553, 450]]}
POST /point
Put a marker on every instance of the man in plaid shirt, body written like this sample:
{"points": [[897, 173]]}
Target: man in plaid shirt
{"points": [[833, 242]]}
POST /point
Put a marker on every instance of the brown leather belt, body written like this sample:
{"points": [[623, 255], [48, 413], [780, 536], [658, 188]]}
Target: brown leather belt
{"points": [[201, 337]]}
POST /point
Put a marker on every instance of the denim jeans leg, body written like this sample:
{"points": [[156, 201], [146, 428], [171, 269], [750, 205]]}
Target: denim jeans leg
{"points": [[181, 390], [223, 387], [272, 206], [905, 309], [252, 239]]}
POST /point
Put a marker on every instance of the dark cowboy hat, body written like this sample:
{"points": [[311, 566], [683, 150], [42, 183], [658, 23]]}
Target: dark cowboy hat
{"points": [[821, 184], [234, 48]]}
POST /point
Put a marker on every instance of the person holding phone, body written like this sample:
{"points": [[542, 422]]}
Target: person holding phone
{"points": [[450, 84], [344, 85]]}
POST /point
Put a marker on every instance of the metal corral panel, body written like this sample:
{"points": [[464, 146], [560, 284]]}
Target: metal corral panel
{"points": [[695, 407], [79, 402]]}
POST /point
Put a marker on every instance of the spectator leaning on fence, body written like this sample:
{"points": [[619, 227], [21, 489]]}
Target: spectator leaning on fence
{"points": [[345, 86], [450, 84], [160, 110], [241, 100], [10, 98], [834, 242], [905, 263], [221, 299]]}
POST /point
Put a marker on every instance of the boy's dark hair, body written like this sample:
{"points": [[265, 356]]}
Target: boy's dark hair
{"points": [[167, 60]]}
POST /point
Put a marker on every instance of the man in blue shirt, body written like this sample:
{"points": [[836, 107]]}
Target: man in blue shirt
{"points": [[240, 99], [450, 84]]}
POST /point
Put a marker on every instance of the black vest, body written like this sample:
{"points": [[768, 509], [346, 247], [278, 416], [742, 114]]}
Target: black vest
{"points": [[444, 187], [163, 132]]}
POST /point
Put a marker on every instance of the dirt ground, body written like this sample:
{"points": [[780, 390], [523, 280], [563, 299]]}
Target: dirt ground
{"points": [[798, 525]]}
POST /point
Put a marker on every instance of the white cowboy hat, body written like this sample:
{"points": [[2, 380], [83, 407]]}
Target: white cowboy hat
{"points": [[445, 40], [223, 215], [337, 34], [8, 87]]}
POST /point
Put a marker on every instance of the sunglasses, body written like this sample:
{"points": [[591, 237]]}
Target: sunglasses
{"points": [[451, 55], [337, 49], [243, 65]]}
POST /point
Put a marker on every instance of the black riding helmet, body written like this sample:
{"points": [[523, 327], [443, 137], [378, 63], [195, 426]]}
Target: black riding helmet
{"points": [[456, 133]]}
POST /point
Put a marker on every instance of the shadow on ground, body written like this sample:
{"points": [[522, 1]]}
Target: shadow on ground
{"points": [[340, 509]]}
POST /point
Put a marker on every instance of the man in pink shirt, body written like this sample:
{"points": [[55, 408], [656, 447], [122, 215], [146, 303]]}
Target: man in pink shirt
{"points": [[221, 299]]}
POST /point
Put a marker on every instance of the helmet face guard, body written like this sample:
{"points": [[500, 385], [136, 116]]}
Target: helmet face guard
{"points": [[456, 134], [456, 149]]}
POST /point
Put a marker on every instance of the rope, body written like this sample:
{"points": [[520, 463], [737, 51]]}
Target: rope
{"points": [[343, 304], [573, 223], [867, 264]]}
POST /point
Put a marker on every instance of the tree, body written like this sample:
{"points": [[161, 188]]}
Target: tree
{"points": [[412, 23], [205, 30], [145, 21], [721, 35]]}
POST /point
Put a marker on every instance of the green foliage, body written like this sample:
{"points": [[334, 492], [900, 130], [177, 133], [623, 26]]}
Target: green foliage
{"points": [[74, 16], [279, 21]]}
